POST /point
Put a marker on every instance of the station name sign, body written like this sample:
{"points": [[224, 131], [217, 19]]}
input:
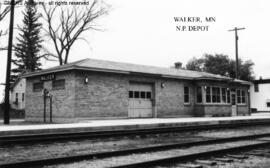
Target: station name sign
{"points": [[47, 77]]}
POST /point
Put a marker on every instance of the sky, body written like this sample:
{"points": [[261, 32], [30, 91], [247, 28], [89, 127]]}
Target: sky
{"points": [[144, 32]]}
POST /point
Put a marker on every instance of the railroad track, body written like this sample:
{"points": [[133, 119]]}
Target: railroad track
{"points": [[193, 157], [160, 148], [54, 137]]}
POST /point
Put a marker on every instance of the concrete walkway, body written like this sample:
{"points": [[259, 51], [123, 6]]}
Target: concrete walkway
{"points": [[109, 125]]}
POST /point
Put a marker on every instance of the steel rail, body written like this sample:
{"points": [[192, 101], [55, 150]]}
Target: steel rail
{"points": [[76, 158], [191, 157], [52, 137]]}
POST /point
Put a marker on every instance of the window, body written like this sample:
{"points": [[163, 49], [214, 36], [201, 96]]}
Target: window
{"points": [[37, 86], [143, 95], [186, 94], [238, 96], [131, 94], [58, 84], [199, 94], [256, 87], [223, 95], [228, 96], [136, 94], [17, 98], [215, 94], [148, 95], [139, 94], [208, 94], [218, 95], [241, 96], [22, 97]]}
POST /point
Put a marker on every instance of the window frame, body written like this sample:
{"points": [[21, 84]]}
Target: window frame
{"points": [[131, 94], [241, 96], [217, 95], [208, 88], [223, 95], [201, 94], [38, 89], [148, 95], [16, 97], [186, 94], [268, 104], [228, 95], [58, 87], [256, 87]]}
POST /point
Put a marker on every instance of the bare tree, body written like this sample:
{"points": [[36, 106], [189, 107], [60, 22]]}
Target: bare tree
{"points": [[4, 10], [71, 24]]}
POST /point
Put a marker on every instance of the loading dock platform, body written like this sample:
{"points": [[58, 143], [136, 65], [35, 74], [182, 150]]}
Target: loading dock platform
{"points": [[127, 124]]}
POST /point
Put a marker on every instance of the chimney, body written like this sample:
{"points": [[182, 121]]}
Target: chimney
{"points": [[178, 65]]}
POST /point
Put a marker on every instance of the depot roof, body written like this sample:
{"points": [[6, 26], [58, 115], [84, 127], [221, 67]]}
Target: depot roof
{"points": [[128, 68]]}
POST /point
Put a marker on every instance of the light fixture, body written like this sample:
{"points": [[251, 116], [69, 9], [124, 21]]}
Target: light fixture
{"points": [[86, 80], [162, 84]]}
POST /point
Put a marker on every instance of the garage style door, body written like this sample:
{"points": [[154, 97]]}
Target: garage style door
{"points": [[140, 100]]}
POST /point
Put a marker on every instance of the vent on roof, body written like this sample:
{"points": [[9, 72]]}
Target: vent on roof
{"points": [[178, 65]]}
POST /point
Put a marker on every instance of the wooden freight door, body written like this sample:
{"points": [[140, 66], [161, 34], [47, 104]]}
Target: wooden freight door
{"points": [[140, 100]]}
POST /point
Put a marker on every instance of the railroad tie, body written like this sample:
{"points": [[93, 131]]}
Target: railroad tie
{"points": [[190, 165], [237, 156], [206, 162], [264, 139], [261, 154], [223, 159]]}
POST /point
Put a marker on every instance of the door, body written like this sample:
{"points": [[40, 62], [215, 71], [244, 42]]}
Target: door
{"points": [[140, 100], [234, 106]]}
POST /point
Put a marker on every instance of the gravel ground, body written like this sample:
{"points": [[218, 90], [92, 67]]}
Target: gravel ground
{"points": [[40, 151], [122, 160], [251, 161]]}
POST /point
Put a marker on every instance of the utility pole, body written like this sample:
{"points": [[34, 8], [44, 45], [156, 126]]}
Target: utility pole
{"points": [[10, 38], [236, 51]]}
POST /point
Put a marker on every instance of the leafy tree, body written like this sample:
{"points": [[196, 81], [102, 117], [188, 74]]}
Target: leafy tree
{"points": [[195, 64], [29, 42], [222, 65], [245, 69]]}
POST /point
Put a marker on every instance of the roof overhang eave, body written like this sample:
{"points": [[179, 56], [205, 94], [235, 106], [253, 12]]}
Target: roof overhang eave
{"points": [[73, 68], [177, 77]]}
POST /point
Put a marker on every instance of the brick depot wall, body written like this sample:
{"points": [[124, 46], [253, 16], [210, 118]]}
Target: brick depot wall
{"points": [[106, 96], [199, 110], [217, 110], [243, 110], [170, 99], [63, 100]]}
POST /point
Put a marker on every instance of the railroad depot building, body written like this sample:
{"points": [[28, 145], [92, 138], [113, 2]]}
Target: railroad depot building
{"points": [[98, 89]]}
